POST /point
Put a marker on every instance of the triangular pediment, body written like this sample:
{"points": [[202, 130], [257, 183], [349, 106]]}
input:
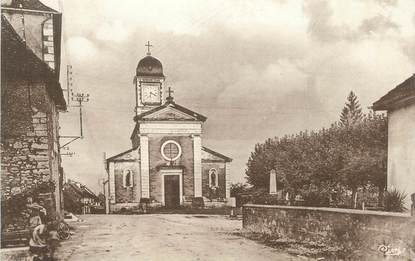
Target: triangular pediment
{"points": [[170, 111], [170, 114]]}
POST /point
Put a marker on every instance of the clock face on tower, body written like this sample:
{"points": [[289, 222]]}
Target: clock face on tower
{"points": [[150, 93]]}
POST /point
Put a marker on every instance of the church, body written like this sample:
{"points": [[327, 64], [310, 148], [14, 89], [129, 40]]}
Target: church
{"points": [[167, 165]]}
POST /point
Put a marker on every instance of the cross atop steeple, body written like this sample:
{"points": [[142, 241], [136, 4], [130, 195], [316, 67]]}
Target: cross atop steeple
{"points": [[170, 98], [148, 47]]}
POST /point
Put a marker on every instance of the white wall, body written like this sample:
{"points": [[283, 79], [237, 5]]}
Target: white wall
{"points": [[401, 150]]}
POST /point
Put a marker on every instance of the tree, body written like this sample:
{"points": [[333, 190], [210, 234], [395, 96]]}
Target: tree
{"points": [[351, 113], [101, 198], [347, 157]]}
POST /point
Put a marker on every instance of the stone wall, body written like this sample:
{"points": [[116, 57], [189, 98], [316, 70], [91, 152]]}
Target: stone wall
{"points": [[25, 159], [356, 234], [25, 136], [29, 139]]}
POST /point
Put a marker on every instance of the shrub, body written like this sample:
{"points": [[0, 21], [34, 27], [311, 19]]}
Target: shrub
{"points": [[394, 201], [198, 202], [215, 193], [239, 188], [242, 199], [316, 198], [144, 200], [267, 200], [261, 196]]}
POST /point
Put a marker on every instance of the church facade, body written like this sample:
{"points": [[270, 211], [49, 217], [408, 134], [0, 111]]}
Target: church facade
{"points": [[167, 166]]}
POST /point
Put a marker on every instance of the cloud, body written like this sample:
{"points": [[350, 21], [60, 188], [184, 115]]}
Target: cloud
{"points": [[352, 21], [408, 48], [81, 48], [408, 45], [320, 27], [387, 2], [114, 31], [256, 70], [378, 24]]}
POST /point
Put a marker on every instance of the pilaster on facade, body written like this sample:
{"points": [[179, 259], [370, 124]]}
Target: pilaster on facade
{"points": [[112, 182], [138, 176], [197, 159], [144, 167], [228, 180]]}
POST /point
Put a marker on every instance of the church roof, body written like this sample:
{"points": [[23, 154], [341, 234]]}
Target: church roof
{"points": [[150, 67], [212, 156], [18, 61], [81, 189], [191, 115], [208, 155], [34, 5], [124, 156], [400, 96]]}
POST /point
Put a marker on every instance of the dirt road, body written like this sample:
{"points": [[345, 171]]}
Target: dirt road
{"points": [[163, 237]]}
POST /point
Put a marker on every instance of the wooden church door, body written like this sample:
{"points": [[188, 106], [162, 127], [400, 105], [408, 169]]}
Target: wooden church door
{"points": [[172, 191]]}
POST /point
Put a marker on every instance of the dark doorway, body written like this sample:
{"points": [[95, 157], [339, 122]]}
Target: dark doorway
{"points": [[172, 191]]}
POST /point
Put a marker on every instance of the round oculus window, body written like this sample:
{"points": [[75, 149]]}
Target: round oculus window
{"points": [[171, 150]]}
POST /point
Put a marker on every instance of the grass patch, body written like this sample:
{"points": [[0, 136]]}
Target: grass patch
{"points": [[296, 248]]}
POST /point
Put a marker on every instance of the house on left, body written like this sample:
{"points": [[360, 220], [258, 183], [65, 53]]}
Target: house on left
{"points": [[31, 100], [79, 199]]}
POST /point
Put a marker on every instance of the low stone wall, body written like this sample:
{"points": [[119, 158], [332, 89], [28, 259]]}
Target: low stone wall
{"points": [[355, 234]]}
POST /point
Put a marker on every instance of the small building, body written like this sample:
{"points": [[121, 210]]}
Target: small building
{"points": [[31, 100], [400, 106], [79, 198], [167, 165]]}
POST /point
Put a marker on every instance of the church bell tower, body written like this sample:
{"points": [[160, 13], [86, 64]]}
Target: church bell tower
{"points": [[148, 83]]}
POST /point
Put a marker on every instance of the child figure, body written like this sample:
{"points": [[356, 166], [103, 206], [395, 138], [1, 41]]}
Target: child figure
{"points": [[44, 242], [53, 239], [38, 243]]}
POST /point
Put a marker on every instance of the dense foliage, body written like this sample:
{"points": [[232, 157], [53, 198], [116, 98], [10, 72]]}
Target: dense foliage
{"points": [[327, 164]]}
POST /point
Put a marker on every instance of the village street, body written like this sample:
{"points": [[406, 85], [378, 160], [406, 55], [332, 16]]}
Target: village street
{"points": [[162, 237]]}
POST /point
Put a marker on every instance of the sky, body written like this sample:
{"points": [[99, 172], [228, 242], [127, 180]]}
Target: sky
{"points": [[257, 69]]}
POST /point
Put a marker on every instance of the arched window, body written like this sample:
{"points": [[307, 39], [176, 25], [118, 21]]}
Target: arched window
{"points": [[213, 178], [128, 178]]}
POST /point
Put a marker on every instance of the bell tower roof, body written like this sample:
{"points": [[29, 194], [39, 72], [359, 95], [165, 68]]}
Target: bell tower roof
{"points": [[149, 66]]}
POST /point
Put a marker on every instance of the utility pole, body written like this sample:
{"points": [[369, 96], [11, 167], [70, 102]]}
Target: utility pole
{"points": [[106, 192], [68, 84], [80, 98]]}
